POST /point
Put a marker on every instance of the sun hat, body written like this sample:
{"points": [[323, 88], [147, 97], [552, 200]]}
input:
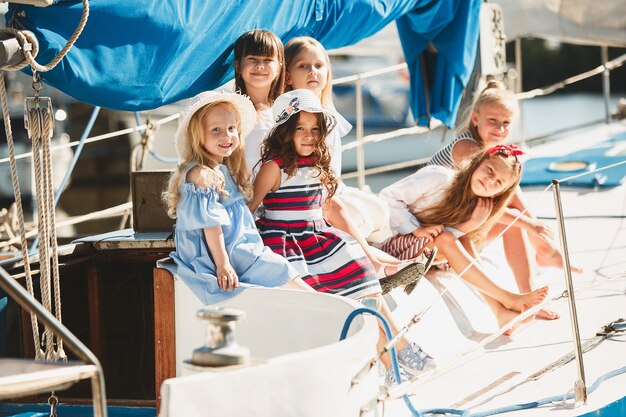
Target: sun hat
{"points": [[244, 106], [294, 101]]}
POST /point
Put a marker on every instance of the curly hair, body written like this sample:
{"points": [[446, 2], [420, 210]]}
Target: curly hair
{"points": [[235, 163], [459, 200], [279, 144], [259, 42]]}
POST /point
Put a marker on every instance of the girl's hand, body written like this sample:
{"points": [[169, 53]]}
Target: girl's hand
{"points": [[541, 230], [481, 212], [227, 277], [428, 232], [480, 215]]}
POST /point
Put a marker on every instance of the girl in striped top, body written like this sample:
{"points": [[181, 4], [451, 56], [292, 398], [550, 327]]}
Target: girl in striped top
{"points": [[294, 184], [488, 125]]}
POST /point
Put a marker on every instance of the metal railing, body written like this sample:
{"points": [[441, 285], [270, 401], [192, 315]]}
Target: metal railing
{"points": [[30, 304]]}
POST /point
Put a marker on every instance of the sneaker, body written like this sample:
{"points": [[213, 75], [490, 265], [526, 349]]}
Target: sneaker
{"points": [[412, 361], [408, 275], [414, 358], [390, 378]]}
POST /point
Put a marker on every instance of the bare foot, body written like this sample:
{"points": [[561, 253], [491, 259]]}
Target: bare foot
{"points": [[505, 316], [546, 314], [520, 301], [552, 258]]}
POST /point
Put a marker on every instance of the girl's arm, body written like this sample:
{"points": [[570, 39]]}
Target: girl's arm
{"points": [[336, 214], [205, 177], [226, 276], [268, 179], [464, 150], [403, 197], [480, 215]]}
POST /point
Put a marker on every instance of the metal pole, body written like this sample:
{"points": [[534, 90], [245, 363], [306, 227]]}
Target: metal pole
{"points": [[28, 303], [580, 388], [606, 83], [360, 147], [518, 87]]}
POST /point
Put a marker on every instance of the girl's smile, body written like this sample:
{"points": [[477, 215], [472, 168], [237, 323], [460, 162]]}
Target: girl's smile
{"points": [[307, 134], [492, 121], [258, 71], [221, 136]]}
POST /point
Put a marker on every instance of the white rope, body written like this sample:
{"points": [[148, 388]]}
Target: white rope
{"points": [[44, 256], [98, 138], [95, 215], [20, 211], [26, 40]]}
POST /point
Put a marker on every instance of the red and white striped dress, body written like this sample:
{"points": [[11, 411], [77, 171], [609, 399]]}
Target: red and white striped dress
{"points": [[293, 226]]}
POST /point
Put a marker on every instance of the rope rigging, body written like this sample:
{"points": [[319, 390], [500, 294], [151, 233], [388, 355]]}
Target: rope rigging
{"points": [[39, 124]]}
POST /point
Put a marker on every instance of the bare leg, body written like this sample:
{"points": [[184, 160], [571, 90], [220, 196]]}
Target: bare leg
{"points": [[504, 315], [383, 309], [336, 214], [547, 253], [459, 261]]}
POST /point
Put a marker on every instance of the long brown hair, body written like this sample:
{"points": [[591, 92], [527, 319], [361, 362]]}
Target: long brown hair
{"points": [[279, 144], [459, 200], [293, 48], [259, 42], [235, 163]]}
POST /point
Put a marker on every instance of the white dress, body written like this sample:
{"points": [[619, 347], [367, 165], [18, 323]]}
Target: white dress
{"points": [[254, 140]]}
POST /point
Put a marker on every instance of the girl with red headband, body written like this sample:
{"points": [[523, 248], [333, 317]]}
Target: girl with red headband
{"points": [[488, 124], [454, 210]]}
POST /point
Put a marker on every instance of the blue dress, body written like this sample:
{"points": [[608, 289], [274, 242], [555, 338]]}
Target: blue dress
{"points": [[254, 263]]}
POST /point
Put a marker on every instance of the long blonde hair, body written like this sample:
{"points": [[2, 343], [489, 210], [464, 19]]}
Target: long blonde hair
{"points": [[293, 48], [459, 200], [279, 144], [235, 163], [495, 93]]}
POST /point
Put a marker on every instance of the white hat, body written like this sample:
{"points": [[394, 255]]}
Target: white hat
{"points": [[244, 106], [292, 102]]}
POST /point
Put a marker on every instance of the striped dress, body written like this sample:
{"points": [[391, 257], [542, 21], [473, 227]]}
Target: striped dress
{"points": [[293, 226]]}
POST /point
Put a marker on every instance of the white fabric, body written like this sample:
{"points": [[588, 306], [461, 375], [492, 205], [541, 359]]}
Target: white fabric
{"points": [[334, 142], [583, 22], [254, 141], [415, 193], [368, 212]]}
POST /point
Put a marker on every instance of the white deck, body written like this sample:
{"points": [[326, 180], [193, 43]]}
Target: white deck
{"points": [[496, 376]]}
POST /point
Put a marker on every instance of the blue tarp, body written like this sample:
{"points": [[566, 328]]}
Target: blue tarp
{"points": [[142, 54]]}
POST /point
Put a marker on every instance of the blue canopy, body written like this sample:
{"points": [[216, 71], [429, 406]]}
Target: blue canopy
{"points": [[142, 54]]}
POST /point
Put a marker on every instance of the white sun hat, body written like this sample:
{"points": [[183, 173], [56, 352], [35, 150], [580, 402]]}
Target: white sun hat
{"points": [[292, 102], [246, 110]]}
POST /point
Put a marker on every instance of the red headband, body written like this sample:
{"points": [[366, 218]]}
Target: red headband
{"points": [[507, 150]]}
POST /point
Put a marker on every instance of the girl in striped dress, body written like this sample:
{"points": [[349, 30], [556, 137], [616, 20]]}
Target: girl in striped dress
{"points": [[294, 183]]}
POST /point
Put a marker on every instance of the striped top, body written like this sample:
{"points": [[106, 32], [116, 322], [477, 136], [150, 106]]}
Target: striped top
{"points": [[444, 156]]}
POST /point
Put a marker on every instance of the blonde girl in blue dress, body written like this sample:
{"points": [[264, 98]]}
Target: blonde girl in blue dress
{"points": [[218, 249]]}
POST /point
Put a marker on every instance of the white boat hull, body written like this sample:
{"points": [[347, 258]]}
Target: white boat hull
{"points": [[298, 367]]}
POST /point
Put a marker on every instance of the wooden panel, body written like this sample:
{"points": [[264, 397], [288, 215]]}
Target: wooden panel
{"points": [[95, 321], [164, 331]]}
